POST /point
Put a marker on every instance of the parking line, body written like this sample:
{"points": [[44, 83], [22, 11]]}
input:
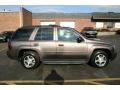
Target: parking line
{"points": [[21, 81], [104, 79], [51, 83], [9, 83], [92, 81]]}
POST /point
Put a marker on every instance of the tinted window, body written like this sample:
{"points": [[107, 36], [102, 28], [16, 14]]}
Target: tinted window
{"points": [[22, 34], [67, 35], [44, 34]]}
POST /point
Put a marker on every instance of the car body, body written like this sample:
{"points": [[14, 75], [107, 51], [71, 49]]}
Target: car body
{"points": [[89, 32], [7, 35], [57, 45], [2, 37], [118, 31]]}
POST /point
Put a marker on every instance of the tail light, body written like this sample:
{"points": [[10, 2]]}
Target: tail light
{"points": [[9, 45]]}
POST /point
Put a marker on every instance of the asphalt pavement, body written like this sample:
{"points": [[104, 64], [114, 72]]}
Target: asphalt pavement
{"points": [[12, 72]]}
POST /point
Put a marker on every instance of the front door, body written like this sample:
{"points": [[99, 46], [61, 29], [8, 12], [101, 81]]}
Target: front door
{"points": [[68, 49]]}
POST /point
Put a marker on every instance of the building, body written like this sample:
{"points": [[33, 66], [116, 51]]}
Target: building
{"points": [[10, 21], [110, 20], [103, 21], [74, 20]]}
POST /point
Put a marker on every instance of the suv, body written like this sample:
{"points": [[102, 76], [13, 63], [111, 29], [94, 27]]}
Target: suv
{"points": [[32, 45]]}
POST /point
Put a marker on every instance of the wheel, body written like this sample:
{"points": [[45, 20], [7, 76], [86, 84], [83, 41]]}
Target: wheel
{"points": [[99, 59], [30, 60]]}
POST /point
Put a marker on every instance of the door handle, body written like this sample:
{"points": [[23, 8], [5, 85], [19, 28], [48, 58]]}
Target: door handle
{"points": [[35, 44], [60, 45]]}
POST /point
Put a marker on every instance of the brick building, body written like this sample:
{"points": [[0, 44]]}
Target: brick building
{"points": [[10, 21], [74, 20], [13, 20]]}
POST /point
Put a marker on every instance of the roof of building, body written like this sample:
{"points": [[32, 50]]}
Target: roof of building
{"points": [[61, 15], [109, 15]]}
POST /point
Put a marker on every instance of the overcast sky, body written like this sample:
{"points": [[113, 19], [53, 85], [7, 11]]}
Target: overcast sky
{"points": [[64, 8]]}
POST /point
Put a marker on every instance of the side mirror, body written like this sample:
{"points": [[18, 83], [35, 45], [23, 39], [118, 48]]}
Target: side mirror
{"points": [[79, 40]]}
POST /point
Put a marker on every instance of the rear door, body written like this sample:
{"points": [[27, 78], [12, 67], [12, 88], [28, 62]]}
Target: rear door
{"points": [[47, 44]]}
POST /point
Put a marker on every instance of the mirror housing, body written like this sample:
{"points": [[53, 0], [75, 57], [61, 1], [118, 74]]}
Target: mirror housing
{"points": [[79, 40]]}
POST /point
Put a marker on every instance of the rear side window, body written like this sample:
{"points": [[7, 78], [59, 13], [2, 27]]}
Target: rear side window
{"points": [[44, 34], [22, 34]]}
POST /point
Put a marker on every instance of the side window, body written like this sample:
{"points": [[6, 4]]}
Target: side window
{"points": [[44, 34], [22, 34], [67, 35]]}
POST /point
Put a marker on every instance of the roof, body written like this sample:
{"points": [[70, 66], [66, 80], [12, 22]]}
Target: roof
{"points": [[42, 26], [105, 16], [61, 15]]}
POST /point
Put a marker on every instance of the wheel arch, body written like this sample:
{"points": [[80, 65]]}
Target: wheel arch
{"points": [[102, 49], [22, 51]]}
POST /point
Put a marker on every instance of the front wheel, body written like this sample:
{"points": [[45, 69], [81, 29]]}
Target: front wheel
{"points": [[99, 59], [30, 60]]}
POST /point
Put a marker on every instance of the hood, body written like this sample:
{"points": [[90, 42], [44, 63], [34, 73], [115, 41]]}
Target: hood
{"points": [[98, 41]]}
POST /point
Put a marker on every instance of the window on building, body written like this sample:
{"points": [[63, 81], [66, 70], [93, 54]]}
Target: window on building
{"points": [[110, 24], [44, 34]]}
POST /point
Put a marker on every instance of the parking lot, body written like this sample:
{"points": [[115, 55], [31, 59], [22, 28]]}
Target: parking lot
{"points": [[12, 72]]}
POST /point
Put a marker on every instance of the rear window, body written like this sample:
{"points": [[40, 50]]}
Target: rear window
{"points": [[22, 34]]}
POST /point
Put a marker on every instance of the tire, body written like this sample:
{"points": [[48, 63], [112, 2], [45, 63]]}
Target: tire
{"points": [[99, 59], [30, 60]]}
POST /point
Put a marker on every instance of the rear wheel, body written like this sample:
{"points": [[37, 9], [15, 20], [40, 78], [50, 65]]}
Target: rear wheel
{"points": [[30, 60], [99, 59]]}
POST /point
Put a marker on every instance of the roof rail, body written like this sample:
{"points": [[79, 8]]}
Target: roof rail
{"points": [[54, 25]]}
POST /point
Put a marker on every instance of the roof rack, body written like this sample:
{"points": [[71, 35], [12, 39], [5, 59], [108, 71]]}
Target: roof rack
{"points": [[54, 25]]}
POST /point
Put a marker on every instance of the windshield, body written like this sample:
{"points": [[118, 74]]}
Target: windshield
{"points": [[80, 34]]}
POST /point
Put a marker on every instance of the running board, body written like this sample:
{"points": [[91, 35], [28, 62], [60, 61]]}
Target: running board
{"points": [[64, 62]]}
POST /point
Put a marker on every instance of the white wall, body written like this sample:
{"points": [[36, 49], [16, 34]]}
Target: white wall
{"points": [[117, 25], [68, 24], [99, 24], [47, 23]]}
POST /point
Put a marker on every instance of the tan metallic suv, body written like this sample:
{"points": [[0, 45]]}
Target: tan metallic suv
{"points": [[32, 45]]}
